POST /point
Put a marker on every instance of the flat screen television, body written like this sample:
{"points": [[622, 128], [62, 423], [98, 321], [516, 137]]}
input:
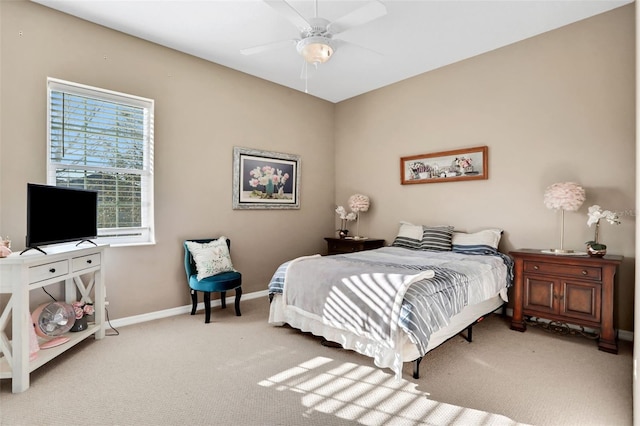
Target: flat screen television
{"points": [[58, 215]]}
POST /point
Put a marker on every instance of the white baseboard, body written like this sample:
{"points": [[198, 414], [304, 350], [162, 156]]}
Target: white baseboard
{"points": [[136, 319]]}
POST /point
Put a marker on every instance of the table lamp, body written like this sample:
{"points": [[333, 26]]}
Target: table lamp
{"points": [[358, 203], [567, 196]]}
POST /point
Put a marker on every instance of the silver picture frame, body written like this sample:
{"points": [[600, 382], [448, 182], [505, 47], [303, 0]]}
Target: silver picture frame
{"points": [[265, 179]]}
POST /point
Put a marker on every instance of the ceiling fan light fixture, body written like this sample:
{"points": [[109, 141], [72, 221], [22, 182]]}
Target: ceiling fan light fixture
{"points": [[315, 50]]}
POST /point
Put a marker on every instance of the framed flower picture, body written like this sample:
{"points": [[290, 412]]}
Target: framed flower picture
{"points": [[265, 179], [445, 166]]}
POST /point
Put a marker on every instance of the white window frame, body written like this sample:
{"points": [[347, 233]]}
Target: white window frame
{"points": [[144, 234]]}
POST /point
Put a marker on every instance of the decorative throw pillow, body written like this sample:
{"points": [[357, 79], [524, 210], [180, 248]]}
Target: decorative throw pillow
{"points": [[481, 242], [409, 236], [436, 238], [211, 258]]}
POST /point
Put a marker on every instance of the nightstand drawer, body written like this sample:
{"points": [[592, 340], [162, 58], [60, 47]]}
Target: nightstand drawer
{"points": [[573, 271], [334, 247], [352, 245]]}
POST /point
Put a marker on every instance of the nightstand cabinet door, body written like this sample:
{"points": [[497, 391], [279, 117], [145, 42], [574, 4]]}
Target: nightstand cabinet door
{"points": [[559, 299], [581, 301], [539, 295]]}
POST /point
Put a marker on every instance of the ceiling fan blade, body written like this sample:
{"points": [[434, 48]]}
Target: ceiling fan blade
{"points": [[342, 44], [267, 47], [366, 13], [290, 13]]}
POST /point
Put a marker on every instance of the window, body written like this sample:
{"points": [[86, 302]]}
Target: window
{"points": [[103, 141]]}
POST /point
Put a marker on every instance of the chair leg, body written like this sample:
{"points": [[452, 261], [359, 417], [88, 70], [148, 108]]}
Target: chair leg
{"points": [[238, 295], [207, 307], [223, 299], [194, 301]]}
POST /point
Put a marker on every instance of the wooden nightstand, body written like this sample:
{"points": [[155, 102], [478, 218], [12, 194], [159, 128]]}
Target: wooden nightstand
{"points": [[351, 245], [566, 289]]}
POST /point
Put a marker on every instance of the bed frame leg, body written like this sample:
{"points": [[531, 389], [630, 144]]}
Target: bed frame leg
{"points": [[469, 336], [416, 368]]}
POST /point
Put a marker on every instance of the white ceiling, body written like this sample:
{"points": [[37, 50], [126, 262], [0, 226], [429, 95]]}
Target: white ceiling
{"points": [[412, 38]]}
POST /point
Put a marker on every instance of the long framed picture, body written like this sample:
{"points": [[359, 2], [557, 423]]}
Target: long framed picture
{"points": [[445, 166], [265, 179]]}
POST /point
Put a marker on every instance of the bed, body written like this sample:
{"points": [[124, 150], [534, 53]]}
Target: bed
{"points": [[396, 303]]}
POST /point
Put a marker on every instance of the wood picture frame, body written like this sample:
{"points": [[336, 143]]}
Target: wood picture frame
{"points": [[265, 179], [445, 166]]}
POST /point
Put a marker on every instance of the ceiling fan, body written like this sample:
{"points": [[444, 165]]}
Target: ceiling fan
{"points": [[316, 43]]}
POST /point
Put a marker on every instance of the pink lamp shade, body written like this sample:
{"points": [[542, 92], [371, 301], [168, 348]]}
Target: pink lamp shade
{"points": [[564, 196]]}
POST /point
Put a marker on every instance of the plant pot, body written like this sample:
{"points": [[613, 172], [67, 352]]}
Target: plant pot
{"points": [[80, 324], [596, 253], [343, 233]]}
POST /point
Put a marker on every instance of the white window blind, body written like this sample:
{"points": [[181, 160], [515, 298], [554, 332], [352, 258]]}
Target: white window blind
{"points": [[103, 141]]}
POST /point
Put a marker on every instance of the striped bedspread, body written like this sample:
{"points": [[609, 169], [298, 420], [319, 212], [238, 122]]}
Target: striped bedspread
{"points": [[356, 292]]}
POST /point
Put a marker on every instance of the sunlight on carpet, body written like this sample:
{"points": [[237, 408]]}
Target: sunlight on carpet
{"points": [[370, 396]]}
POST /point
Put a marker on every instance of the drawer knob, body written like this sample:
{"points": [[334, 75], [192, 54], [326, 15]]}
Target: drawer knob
{"points": [[585, 272], [89, 261], [52, 270], [535, 267]]}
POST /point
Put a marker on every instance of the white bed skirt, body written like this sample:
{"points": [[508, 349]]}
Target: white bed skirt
{"points": [[383, 357]]}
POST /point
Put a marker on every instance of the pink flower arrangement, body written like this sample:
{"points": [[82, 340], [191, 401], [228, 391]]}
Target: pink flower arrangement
{"points": [[463, 162], [272, 179], [81, 309]]}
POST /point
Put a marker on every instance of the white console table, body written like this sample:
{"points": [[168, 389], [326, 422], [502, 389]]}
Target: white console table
{"points": [[81, 270]]}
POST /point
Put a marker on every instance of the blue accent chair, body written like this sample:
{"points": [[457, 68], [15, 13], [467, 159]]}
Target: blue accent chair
{"points": [[220, 283]]}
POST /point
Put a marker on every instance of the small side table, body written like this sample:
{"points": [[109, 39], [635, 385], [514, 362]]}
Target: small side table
{"points": [[351, 245]]}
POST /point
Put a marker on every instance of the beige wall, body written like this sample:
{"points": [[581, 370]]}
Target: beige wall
{"points": [[557, 107], [202, 111], [552, 108]]}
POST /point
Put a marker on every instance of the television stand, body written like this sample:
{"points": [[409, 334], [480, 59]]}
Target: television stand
{"points": [[87, 241], [33, 248], [81, 271]]}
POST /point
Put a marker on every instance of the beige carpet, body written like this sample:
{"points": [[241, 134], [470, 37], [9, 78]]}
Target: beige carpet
{"points": [[242, 371]]}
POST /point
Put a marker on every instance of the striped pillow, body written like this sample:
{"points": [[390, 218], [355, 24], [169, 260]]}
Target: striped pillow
{"points": [[436, 238], [409, 236], [481, 242]]}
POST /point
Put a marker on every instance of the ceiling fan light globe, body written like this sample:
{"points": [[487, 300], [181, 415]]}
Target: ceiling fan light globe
{"points": [[315, 50]]}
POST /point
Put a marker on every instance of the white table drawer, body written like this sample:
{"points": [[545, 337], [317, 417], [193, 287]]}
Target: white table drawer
{"points": [[48, 270], [84, 262]]}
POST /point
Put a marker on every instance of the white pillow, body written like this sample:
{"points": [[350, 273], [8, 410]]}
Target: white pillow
{"points": [[481, 242], [211, 258], [409, 236]]}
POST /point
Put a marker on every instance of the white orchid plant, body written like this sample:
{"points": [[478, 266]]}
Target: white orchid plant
{"points": [[345, 217], [595, 215]]}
